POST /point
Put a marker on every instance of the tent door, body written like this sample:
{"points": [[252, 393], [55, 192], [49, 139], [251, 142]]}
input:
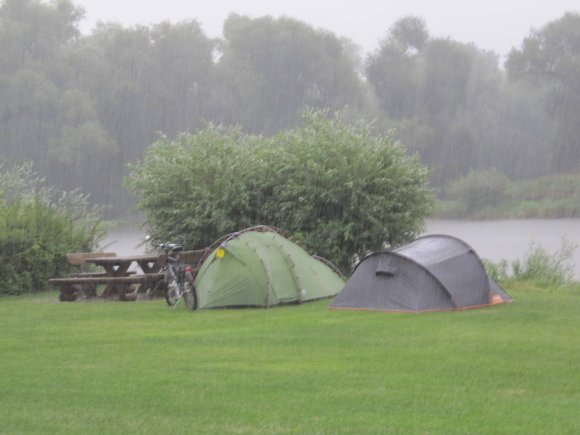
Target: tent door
{"points": [[387, 265]]}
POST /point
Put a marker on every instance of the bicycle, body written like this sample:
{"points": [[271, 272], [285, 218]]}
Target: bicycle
{"points": [[179, 277]]}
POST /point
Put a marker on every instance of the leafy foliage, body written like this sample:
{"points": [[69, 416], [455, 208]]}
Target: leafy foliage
{"points": [[480, 189], [38, 229], [549, 269], [273, 68], [195, 186], [87, 104], [490, 194], [337, 188], [450, 102], [498, 271], [550, 58]]}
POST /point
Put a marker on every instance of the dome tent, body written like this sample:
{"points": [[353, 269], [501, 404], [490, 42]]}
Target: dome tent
{"points": [[434, 272], [258, 267]]}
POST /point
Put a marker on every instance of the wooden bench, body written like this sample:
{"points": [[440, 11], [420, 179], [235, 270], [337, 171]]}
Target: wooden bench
{"points": [[79, 259], [71, 288]]}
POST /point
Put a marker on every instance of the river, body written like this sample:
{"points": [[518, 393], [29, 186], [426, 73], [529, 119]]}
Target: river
{"points": [[492, 240], [511, 239]]}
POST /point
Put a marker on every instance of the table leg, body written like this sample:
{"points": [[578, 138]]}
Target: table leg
{"points": [[128, 293], [68, 293], [115, 270]]}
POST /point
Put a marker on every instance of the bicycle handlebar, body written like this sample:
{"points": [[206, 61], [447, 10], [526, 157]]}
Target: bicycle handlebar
{"points": [[173, 247]]}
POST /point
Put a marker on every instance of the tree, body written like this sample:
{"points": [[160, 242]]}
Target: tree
{"points": [[184, 72], [273, 68], [344, 191], [451, 103], [125, 85], [393, 69], [32, 33], [337, 188], [550, 58], [44, 116]]}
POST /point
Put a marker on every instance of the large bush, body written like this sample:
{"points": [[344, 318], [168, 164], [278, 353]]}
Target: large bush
{"points": [[480, 189], [38, 227], [334, 186]]}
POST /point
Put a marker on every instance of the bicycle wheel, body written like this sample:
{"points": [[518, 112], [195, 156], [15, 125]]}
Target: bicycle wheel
{"points": [[172, 294], [190, 294]]}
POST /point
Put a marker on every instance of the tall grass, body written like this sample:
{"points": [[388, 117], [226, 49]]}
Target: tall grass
{"points": [[112, 367], [555, 269], [490, 195]]}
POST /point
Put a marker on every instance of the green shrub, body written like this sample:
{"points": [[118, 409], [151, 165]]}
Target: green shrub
{"points": [[489, 195], [560, 186], [335, 187], [546, 268], [555, 269], [38, 228], [479, 190]]}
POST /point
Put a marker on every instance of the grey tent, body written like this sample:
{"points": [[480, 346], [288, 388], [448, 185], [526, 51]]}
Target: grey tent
{"points": [[434, 272]]}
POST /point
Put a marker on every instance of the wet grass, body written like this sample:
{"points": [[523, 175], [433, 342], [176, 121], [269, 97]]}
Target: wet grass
{"points": [[144, 368]]}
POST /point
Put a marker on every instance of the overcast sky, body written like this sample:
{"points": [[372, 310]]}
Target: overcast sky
{"points": [[496, 25]]}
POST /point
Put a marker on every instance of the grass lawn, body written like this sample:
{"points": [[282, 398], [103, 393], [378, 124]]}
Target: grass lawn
{"points": [[141, 367]]}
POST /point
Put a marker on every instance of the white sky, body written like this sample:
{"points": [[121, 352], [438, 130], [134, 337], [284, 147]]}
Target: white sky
{"points": [[497, 25]]}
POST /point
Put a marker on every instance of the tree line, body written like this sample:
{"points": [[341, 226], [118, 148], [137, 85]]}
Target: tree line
{"points": [[81, 107]]}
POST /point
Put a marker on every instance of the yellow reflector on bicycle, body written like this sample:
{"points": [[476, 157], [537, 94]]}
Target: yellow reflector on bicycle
{"points": [[220, 253]]}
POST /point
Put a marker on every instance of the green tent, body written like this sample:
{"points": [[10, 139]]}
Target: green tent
{"points": [[262, 269]]}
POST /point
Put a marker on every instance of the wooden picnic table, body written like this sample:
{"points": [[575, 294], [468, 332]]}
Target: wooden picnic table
{"points": [[117, 268], [119, 275]]}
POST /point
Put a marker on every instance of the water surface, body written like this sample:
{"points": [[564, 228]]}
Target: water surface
{"points": [[492, 240], [511, 239]]}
